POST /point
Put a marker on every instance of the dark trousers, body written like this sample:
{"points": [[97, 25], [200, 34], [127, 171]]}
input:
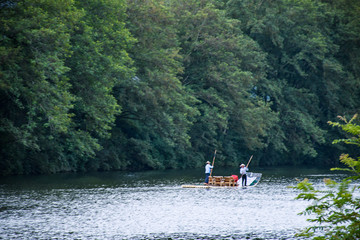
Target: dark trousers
{"points": [[243, 179], [207, 175]]}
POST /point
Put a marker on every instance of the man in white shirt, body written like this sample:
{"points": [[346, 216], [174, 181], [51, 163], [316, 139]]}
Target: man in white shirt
{"points": [[243, 170], [208, 168]]}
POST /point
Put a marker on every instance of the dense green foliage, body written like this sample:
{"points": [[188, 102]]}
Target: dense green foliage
{"points": [[130, 84], [336, 209]]}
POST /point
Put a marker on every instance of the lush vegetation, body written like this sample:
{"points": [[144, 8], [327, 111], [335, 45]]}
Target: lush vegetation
{"points": [[336, 209], [129, 84]]}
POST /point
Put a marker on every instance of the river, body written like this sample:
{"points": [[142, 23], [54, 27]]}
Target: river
{"points": [[153, 205]]}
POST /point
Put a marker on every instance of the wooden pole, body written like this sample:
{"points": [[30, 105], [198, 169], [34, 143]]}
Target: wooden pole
{"points": [[249, 161], [213, 162]]}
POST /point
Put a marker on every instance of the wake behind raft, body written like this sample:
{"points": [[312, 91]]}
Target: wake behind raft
{"points": [[229, 181]]}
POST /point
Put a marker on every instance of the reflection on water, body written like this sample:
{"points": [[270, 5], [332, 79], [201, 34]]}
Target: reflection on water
{"points": [[152, 205]]}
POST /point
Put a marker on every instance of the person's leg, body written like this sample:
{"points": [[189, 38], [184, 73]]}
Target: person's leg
{"points": [[245, 179], [207, 178]]}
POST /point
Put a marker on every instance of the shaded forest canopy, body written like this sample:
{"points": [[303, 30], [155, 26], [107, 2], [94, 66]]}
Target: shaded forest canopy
{"points": [[153, 84]]}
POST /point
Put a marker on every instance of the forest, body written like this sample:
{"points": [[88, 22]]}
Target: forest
{"points": [[107, 85]]}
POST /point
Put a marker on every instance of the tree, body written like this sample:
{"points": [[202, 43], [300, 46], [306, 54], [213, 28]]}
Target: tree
{"points": [[59, 64], [35, 92], [221, 67], [306, 79], [152, 131], [336, 209], [99, 62]]}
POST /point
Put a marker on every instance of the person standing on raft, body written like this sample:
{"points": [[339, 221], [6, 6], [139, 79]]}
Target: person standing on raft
{"points": [[208, 168], [243, 171]]}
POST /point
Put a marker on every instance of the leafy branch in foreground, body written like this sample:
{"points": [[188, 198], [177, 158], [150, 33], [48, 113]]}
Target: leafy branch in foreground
{"points": [[336, 210]]}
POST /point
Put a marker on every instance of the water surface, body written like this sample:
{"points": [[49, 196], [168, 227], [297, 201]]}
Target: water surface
{"points": [[152, 205]]}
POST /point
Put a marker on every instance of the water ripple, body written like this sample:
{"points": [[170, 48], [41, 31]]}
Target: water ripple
{"points": [[151, 208]]}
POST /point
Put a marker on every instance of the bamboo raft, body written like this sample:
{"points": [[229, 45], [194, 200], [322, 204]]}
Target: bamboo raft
{"points": [[228, 181]]}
